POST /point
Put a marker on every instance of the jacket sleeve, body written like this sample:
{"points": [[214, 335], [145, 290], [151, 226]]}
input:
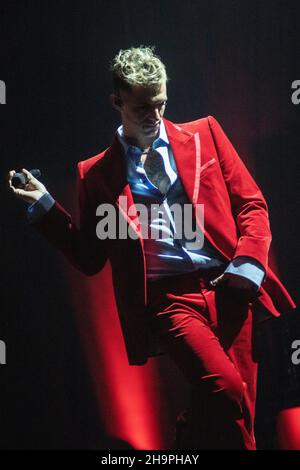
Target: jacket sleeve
{"points": [[80, 244], [247, 267], [248, 205]]}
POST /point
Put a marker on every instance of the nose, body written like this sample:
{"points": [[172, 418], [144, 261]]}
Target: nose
{"points": [[155, 114]]}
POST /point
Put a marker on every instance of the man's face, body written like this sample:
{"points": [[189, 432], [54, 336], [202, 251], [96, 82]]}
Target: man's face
{"points": [[142, 110]]}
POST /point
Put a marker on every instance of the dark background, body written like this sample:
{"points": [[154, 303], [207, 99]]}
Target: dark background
{"points": [[235, 60]]}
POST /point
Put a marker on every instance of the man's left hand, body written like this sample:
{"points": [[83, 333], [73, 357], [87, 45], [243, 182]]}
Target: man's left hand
{"points": [[240, 287]]}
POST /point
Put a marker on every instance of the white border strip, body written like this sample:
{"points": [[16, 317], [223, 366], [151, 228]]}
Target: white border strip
{"points": [[198, 166]]}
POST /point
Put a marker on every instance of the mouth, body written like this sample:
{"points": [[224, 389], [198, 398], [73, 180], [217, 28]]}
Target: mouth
{"points": [[151, 126]]}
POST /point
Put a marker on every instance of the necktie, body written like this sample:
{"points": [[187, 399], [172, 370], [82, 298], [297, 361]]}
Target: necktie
{"points": [[155, 170]]}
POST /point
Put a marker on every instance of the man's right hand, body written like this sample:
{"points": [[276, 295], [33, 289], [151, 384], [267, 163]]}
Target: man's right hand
{"points": [[32, 191]]}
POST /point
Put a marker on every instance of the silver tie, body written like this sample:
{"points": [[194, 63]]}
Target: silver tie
{"points": [[155, 170]]}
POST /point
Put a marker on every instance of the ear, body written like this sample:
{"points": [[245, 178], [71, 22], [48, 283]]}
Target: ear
{"points": [[115, 101]]}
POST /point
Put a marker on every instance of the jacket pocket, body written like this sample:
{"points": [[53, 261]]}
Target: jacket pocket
{"points": [[207, 165]]}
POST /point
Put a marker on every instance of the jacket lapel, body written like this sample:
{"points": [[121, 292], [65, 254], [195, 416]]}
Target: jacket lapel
{"points": [[187, 154], [186, 147], [115, 185]]}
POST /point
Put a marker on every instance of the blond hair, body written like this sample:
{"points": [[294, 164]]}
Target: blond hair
{"points": [[138, 66]]}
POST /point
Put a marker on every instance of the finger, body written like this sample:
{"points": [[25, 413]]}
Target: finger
{"points": [[28, 174], [20, 192], [32, 183], [11, 187], [10, 175]]}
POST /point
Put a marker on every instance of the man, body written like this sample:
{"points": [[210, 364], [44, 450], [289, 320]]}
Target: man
{"points": [[195, 300]]}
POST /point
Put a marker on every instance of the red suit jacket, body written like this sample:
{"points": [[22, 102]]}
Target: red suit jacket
{"points": [[235, 222]]}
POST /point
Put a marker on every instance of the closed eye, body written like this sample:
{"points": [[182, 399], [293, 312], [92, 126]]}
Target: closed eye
{"points": [[146, 106]]}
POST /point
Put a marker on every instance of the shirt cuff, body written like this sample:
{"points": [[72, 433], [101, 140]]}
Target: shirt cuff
{"points": [[247, 267], [39, 208]]}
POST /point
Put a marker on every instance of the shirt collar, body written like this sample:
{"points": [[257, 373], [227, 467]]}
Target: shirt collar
{"points": [[135, 152]]}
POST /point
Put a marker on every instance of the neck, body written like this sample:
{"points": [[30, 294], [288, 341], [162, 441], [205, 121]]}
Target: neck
{"points": [[143, 144], [140, 142]]}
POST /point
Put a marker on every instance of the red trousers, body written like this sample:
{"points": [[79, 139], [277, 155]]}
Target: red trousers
{"points": [[208, 333]]}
